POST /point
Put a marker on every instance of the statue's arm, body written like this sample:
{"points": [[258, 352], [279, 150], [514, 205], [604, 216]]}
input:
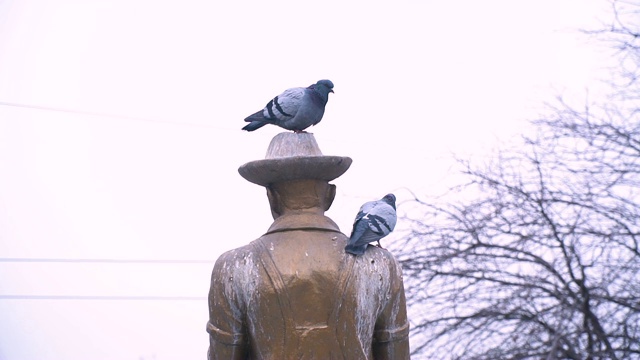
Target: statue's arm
{"points": [[391, 336], [227, 338]]}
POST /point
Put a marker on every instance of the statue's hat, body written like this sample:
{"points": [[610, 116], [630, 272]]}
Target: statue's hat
{"points": [[294, 156]]}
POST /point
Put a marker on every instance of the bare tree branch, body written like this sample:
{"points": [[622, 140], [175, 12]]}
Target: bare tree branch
{"points": [[536, 255]]}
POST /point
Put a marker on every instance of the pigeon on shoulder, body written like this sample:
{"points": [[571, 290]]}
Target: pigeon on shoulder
{"points": [[375, 220], [295, 109]]}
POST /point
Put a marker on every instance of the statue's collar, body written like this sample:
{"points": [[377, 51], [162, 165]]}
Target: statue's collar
{"points": [[303, 222]]}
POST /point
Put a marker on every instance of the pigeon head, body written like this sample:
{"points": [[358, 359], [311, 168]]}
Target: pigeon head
{"points": [[390, 199], [324, 87]]}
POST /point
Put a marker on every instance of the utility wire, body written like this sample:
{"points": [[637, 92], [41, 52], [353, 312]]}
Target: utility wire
{"points": [[90, 297], [102, 297], [104, 261], [72, 111]]}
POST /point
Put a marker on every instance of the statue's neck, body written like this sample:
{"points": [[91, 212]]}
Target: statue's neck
{"points": [[303, 220]]}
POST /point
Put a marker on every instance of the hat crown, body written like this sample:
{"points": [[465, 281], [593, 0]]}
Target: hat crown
{"points": [[288, 144]]}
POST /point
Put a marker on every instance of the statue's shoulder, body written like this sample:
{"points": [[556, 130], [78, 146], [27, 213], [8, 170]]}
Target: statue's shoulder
{"points": [[376, 253], [378, 259], [238, 257]]}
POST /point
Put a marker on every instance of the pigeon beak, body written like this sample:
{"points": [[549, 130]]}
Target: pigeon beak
{"points": [[330, 91]]}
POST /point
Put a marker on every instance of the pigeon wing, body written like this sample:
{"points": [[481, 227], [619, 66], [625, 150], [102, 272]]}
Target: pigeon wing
{"points": [[284, 106], [382, 218], [359, 225], [359, 228], [366, 236], [375, 220]]}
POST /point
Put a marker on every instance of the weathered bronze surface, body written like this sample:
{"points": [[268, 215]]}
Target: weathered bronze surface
{"points": [[294, 293]]}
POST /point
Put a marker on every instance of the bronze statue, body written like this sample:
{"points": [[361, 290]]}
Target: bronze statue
{"points": [[294, 293]]}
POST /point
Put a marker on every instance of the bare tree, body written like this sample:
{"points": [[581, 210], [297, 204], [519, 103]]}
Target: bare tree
{"points": [[537, 256], [623, 33]]}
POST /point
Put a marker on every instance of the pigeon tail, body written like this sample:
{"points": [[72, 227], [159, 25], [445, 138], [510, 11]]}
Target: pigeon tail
{"points": [[255, 125], [355, 249]]}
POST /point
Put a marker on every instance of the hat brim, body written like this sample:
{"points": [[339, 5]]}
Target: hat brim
{"points": [[269, 171]]}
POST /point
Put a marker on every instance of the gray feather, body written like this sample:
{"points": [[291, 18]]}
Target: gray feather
{"points": [[295, 109], [374, 221]]}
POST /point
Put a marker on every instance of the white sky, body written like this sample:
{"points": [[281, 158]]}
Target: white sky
{"points": [[143, 164]]}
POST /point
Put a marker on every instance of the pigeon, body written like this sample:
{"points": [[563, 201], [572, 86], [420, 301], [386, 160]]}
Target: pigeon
{"points": [[295, 109], [375, 220]]}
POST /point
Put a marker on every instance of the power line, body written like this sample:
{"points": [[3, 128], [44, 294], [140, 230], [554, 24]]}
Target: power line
{"points": [[99, 297], [105, 261], [91, 113], [102, 297]]}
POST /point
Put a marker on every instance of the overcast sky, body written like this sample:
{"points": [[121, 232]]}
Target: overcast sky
{"points": [[120, 138]]}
